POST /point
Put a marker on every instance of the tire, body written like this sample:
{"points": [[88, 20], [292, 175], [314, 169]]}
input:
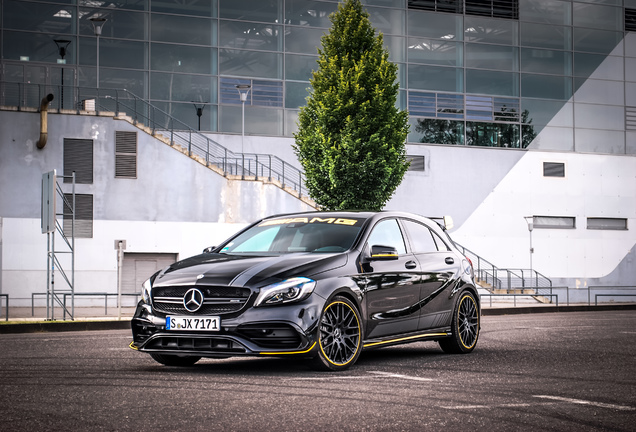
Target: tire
{"points": [[339, 336], [174, 360], [465, 327]]}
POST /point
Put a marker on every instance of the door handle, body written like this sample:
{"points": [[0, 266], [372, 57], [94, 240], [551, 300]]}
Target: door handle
{"points": [[449, 260], [410, 265]]}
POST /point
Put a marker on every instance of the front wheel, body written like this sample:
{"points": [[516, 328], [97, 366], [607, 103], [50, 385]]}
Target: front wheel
{"points": [[465, 327], [339, 335], [174, 360]]}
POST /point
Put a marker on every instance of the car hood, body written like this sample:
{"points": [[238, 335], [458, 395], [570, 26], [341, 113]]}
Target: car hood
{"points": [[234, 270]]}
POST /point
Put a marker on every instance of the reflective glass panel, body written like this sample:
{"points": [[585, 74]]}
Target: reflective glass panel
{"points": [[388, 21], [179, 87], [251, 10], [492, 83], [45, 18], [250, 63], [490, 30], [387, 3], [435, 78], [546, 61], [434, 25], [291, 122], [397, 48], [303, 40], [296, 94], [186, 7], [309, 13], [493, 135], [299, 67], [435, 52], [119, 24], [546, 87], [436, 131], [546, 36], [185, 30], [541, 112], [597, 16], [250, 35], [546, 11], [260, 121], [597, 41], [498, 57], [35, 47], [600, 66], [121, 4], [181, 58], [186, 115], [131, 80], [113, 53]]}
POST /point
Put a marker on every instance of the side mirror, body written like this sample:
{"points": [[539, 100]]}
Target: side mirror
{"points": [[209, 249], [383, 253]]}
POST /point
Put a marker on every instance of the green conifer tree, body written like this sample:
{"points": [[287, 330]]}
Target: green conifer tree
{"points": [[351, 136]]}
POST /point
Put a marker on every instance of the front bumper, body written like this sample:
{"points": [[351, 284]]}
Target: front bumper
{"points": [[269, 331]]}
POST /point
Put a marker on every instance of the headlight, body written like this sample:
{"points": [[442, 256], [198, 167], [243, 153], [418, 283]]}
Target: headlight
{"points": [[146, 288], [287, 291]]}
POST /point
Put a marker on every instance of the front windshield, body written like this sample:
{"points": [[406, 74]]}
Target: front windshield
{"points": [[300, 234]]}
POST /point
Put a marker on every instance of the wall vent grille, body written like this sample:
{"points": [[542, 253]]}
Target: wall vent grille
{"points": [[78, 157], [553, 169], [83, 215], [125, 154]]}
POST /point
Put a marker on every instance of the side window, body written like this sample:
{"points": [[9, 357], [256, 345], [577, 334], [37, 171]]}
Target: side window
{"points": [[387, 233], [421, 237], [441, 246]]}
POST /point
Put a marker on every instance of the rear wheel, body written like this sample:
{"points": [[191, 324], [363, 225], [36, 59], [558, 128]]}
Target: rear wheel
{"points": [[339, 335], [465, 327], [174, 360]]}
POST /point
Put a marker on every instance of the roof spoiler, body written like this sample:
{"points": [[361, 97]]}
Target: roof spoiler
{"points": [[445, 222]]}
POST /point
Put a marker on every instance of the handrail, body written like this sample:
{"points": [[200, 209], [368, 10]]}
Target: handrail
{"points": [[250, 166], [508, 279]]}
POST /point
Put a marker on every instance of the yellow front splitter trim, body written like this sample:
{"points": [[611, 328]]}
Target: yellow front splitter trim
{"points": [[133, 346], [289, 352], [425, 335]]}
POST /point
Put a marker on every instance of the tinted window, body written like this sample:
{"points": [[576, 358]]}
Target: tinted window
{"points": [[387, 233], [423, 240]]}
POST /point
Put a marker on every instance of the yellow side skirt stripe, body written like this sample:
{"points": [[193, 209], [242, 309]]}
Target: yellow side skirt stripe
{"points": [[290, 352], [405, 339]]}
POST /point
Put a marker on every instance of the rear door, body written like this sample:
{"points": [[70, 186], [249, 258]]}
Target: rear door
{"points": [[439, 268]]}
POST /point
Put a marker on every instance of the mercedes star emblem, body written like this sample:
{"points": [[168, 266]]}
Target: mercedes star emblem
{"points": [[193, 300]]}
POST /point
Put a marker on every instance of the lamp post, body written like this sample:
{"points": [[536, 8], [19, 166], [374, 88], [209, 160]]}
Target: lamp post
{"points": [[530, 222], [244, 90], [62, 45], [199, 113], [98, 24]]}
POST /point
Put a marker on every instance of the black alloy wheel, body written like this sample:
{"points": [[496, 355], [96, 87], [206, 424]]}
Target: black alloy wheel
{"points": [[339, 335], [465, 327], [174, 360]]}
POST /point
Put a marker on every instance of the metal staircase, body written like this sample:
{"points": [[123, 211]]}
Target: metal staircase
{"points": [[124, 105], [508, 281]]}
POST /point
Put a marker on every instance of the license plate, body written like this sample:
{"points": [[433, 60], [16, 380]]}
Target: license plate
{"points": [[208, 323]]}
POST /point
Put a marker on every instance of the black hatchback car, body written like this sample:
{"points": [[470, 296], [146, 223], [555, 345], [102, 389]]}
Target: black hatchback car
{"points": [[321, 285]]}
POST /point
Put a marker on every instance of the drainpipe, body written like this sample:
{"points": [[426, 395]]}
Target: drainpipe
{"points": [[44, 124]]}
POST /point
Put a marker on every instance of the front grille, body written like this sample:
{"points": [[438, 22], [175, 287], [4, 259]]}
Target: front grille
{"points": [[206, 309], [217, 300], [186, 343]]}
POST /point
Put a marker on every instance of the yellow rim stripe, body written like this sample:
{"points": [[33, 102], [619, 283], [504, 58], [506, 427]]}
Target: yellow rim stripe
{"points": [[359, 332], [290, 352], [405, 339]]}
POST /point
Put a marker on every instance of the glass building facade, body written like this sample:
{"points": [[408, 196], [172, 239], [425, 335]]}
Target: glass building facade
{"points": [[493, 73]]}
